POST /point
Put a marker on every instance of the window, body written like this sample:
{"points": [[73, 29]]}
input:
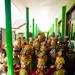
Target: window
{"points": [[70, 28]]}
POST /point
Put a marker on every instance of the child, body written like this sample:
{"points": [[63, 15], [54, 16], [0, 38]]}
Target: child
{"points": [[24, 64], [57, 69], [40, 67]]}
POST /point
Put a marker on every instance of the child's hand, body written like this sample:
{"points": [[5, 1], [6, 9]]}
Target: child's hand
{"points": [[37, 72], [52, 66]]}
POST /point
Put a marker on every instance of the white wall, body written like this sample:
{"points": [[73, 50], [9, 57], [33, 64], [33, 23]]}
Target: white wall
{"points": [[4, 36]]}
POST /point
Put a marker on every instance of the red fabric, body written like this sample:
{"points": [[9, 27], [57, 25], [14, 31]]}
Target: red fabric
{"points": [[50, 71], [16, 70]]}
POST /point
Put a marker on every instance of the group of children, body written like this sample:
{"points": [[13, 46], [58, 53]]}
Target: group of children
{"points": [[41, 56]]}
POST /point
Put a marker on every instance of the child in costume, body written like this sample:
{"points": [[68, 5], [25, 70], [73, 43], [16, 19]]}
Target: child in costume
{"points": [[71, 58], [16, 60], [28, 50], [40, 67], [41, 37], [31, 41], [36, 46], [24, 64], [57, 69], [53, 55], [44, 55]]}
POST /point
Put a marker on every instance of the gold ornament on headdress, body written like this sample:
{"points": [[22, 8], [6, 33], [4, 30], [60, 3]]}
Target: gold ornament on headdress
{"points": [[18, 40], [27, 47], [43, 48], [22, 41], [53, 41], [42, 35], [23, 58], [44, 43], [41, 61], [60, 60], [36, 44]]}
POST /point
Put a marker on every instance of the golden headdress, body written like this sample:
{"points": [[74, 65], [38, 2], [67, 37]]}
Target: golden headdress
{"points": [[60, 60], [18, 40], [36, 44], [53, 40], [43, 48], [27, 47], [41, 36], [23, 58], [41, 61]]}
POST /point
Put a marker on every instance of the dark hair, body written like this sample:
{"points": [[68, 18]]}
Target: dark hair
{"points": [[23, 37]]}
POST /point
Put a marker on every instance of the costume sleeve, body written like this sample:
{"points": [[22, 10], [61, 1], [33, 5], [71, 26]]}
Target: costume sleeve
{"points": [[34, 73], [50, 71]]}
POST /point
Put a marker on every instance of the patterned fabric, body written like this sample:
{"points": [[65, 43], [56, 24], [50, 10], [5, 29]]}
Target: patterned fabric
{"points": [[59, 72], [23, 72]]}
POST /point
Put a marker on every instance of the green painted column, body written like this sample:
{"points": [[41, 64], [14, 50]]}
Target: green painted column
{"points": [[53, 27], [36, 29], [27, 24], [63, 22], [51, 30], [56, 26], [32, 28], [9, 37]]}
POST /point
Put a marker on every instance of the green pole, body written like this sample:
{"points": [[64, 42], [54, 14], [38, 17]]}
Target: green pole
{"points": [[53, 27], [63, 22], [51, 30], [32, 28], [56, 26], [39, 30], [27, 24], [36, 29], [9, 36]]}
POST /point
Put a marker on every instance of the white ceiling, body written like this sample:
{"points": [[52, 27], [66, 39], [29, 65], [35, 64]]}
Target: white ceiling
{"points": [[43, 11]]}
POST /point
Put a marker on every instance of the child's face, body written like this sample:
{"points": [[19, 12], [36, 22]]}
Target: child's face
{"points": [[58, 65], [40, 66], [53, 55], [28, 52], [14, 53], [23, 65], [43, 52]]}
